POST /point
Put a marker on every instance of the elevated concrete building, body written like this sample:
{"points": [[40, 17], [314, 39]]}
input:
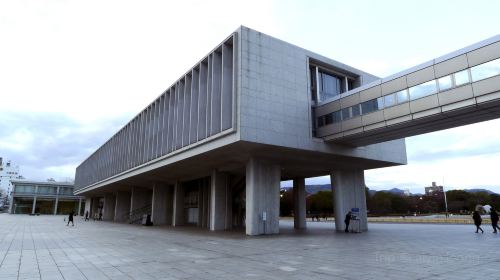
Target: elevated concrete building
{"points": [[212, 149]]}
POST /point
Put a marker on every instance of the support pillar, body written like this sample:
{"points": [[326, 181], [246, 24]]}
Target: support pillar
{"points": [[122, 206], [95, 207], [218, 201], [109, 207], [348, 187], [262, 197], [161, 205], [178, 213], [57, 201], [79, 207], [88, 204], [34, 206], [299, 203]]}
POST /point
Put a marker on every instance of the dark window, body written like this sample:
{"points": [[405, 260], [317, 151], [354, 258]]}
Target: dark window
{"points": [[346, 114], [371, 105], [328, 119], [321, 121], [355, 111], [331, 86], [337, 117]]}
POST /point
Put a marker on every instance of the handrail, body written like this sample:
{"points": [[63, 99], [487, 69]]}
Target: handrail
{"points": [[136, 215]]}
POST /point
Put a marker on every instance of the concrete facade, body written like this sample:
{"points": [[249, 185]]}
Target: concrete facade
{"points": [[212, 149]]}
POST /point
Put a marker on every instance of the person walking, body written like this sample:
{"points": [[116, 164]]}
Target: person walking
{"points": [[347, 221], [494, 220], [70, 219], [477, 221], [87, 216]]}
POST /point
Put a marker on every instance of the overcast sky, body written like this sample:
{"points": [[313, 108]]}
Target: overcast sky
{"points": [[73, 72]]}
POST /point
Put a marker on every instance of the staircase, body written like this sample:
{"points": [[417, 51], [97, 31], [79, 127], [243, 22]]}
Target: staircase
{"points": [[135, 216]]}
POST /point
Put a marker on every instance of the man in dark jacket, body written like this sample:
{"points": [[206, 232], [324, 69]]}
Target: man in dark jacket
{"points": [[347, 221], [70, 219], [477, 221], [494, 220]]}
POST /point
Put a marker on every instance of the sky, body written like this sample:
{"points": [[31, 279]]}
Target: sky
{"points": [[73, 72]]}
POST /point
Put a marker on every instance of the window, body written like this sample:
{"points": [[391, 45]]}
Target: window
{"points": [[330, 86], [328, 119], [337, 117], [444, 83], [461, 77], [402, 96], [372, 105], [389, 100], [321, 121], [355, 111], [346, 113], [422, 90], [485, 70]]}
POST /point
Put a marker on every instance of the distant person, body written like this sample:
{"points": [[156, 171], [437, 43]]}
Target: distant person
{"points": [[100, 215], [494, 220], [477, 221], [347, 221], [70, 219], [87, 216]]}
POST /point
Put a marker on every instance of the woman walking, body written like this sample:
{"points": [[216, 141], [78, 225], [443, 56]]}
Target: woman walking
{"points": [[477, 221]]}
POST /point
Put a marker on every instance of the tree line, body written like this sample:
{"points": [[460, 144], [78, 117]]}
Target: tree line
{"points": [[386, 203]]}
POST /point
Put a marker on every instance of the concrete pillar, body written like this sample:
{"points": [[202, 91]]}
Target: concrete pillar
{"points": [[11, 205], [218, 201], [95, 208], [88, 204], [122, 206], [34, 205], [57, 201], [262, 197], [348, 187], [162, 205], [299, 203], [178, 213], [109, 207], [79, 207]]}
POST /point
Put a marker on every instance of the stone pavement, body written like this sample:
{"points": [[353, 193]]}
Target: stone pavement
{"points": [[44, 248]]}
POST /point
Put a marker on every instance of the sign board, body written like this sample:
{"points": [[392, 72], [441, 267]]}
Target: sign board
{"points": [[355, 210]]}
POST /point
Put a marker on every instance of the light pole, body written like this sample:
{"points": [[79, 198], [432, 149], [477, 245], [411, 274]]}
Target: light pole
{"points": [[445, 201]]}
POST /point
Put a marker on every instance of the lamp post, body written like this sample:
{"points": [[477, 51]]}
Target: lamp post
{"points": [[445, 201]]}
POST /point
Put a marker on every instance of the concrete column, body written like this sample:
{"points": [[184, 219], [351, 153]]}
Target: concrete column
{"points": [[122, 206], [95, 207], [88, 205], [299, 203], [218, 201], [34, 205], [140, 198], [162, 205], [109, 207], [262, 197], [178, 213], [348, 187], [57, 201], [79, 207], [11, 205]]}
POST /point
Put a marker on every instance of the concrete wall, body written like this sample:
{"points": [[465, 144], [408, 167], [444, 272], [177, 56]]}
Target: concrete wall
{"points": [[109, 207], [122, 206], [162, 204], [348, 188]]}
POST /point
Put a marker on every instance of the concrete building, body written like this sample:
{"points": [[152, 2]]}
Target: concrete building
{"points": [[211, 150], [433, 189], [30, 197], [8, 172]]}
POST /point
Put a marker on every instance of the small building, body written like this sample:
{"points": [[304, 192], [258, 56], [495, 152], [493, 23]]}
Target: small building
{"points": [[434, 189], [30, 197]]}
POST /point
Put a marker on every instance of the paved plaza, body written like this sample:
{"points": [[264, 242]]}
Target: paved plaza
{"points": [[44, 247]]}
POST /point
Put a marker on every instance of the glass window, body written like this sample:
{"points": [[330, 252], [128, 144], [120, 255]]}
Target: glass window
{"points": [[355, 111], [328, 119], [346, 113], [422, 90], [389, 100], [461, 77], [402, 96], [321, 121], [485, 70], [444, 83], [330, 86], [337, 117]]}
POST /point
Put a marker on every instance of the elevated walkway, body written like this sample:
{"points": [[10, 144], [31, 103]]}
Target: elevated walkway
{"points": [[460, 88]]}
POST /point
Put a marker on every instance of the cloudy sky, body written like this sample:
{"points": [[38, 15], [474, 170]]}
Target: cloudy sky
{"points": [[73, 72]]}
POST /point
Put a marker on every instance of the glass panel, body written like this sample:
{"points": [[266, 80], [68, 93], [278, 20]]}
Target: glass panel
{"points": [[402, 96], [423, 90], [321, 121], [336, 116], [355, 111], [330, 86], [444, 83], [328, 119], [389, 100], [485, 70], [461, 77], [346, 113]]}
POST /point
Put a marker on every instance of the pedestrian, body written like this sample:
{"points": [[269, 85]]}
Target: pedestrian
{"points": [[70, 219], [100, 215], [87, 215], [477, 221], [347, 221], [494, 220]]}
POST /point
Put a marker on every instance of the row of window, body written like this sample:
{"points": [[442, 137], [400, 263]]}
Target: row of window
{"points": [[476, 73], [48, 190], [329, 85]]}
